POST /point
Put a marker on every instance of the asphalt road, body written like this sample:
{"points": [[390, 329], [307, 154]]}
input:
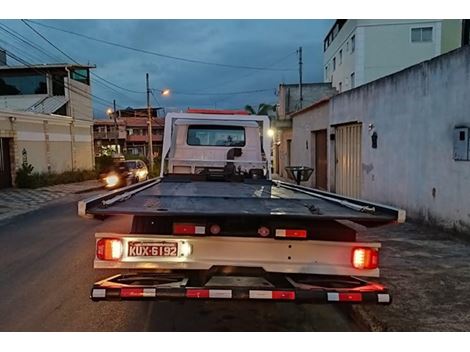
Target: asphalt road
{"points": [[46, 273]]}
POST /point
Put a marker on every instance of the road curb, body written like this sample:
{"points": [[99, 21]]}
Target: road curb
{"points": [[362, 317], [94, 188]]}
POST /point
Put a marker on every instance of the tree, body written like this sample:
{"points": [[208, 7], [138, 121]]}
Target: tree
{"points": [[263, 109]]}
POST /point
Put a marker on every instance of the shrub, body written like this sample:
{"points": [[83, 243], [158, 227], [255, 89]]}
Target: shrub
{"points": [[25, 178]]}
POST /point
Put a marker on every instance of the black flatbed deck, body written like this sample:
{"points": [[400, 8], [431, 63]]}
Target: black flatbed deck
{"points": [[249, 198]]}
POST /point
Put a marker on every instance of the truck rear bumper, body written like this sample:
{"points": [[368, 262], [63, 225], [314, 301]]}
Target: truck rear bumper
{"points": [[287, 256], [260, 287]]}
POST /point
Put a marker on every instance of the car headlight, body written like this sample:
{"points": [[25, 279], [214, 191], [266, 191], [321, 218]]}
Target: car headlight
{"points": [[111, 180]]}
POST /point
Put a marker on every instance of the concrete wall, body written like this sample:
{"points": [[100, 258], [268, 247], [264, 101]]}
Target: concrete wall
{"points": [[80, 104], [51, 143], [303, 124], [414, 113], [289, 96]]}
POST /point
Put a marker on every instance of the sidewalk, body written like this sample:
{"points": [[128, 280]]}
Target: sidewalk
{"points": [[16, 201], [428, 273]]}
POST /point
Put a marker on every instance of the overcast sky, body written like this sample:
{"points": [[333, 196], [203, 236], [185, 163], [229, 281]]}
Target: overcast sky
{"points": [[259, 43]]}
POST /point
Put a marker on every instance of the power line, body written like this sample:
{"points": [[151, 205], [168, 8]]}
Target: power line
{"points": [[194, 61], [71, 58], [75, 90], [250, 74], [226, 93], [23, 39]]}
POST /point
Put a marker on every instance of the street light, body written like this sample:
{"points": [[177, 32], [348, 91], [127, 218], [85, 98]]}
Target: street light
{"points": [[165, 92], [270, 132]]}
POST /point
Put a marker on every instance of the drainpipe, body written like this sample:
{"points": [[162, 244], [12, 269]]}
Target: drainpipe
{"points": [[72, 137]]}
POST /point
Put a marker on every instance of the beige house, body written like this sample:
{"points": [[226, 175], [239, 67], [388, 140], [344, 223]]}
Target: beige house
{"points": [[45, 119]]}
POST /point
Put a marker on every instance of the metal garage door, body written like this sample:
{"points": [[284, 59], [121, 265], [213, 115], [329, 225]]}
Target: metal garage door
{"points": [[348, 160]]}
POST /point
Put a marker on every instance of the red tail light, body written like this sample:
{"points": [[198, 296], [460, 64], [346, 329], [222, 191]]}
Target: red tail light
{"points": [[188, 229], [109, 249], [365, 258]]}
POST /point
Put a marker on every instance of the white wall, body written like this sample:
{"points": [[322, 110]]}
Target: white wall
{"points": [[303, 124], [414, 113], [343, 71]]}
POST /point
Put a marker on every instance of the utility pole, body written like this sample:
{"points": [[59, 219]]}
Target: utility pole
{"points": [[300, 76], [115, 127], [149, 123]]}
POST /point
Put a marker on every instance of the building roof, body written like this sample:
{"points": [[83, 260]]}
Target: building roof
{"points": [[43, 66], [310, 107], [39, 103], [49, 105], [304, 84], [132, 121], [20, 102]]}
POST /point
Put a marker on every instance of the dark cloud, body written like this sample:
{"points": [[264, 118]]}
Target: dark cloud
{"points": [[237, 42]]}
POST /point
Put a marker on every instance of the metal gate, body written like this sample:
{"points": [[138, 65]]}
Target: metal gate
{"points": [[5, 167], [348, 160]]}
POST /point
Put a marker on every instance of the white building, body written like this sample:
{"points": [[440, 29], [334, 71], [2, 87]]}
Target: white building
{"points": [[357, 52]]}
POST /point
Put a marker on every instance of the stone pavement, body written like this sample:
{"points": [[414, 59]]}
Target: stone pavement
{"points": [[428, 273], [16, 201]]}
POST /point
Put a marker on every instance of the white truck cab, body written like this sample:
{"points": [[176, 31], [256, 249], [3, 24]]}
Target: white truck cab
{"points": [[207, 144]]}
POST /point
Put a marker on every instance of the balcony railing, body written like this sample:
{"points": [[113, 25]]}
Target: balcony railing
{"points": [[109, 135]]}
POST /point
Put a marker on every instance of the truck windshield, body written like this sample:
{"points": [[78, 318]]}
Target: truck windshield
{"points": [[225, 136]]}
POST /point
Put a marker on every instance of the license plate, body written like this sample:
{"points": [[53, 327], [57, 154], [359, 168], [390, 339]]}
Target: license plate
{"points": [[153, 249]]}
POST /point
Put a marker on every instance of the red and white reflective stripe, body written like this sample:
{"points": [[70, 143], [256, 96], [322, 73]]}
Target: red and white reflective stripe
{"points": [[188, 229], [261, 294], [208, 293], [383, 298], [290, 233], [98, 293], [138, 292], [344, 297]]}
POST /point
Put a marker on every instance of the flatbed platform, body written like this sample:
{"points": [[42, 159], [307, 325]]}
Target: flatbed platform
{"points": [[182, 197]]}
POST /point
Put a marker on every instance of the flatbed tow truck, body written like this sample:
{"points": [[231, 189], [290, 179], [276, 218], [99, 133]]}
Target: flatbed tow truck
{"points": [[214, 225]]}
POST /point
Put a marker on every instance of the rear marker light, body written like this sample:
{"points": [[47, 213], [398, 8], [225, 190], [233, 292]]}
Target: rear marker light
{"points": [[263, 231], [290, 233], [214, 229], [365, 258], [188, 229], [109, 249]]}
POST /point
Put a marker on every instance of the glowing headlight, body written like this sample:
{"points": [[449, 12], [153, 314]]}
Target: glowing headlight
{"points": [[111, 180], [141, 173], [185, 249]]}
